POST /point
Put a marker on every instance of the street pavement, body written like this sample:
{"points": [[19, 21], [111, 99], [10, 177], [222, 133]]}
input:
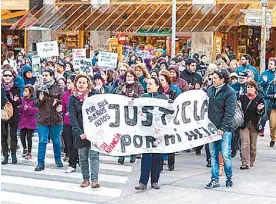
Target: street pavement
{"points": [[20, 184]]}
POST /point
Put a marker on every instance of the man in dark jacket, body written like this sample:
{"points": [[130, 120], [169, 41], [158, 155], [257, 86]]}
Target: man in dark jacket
{"points": [[190, 74], [221, 111], [202, 66]]}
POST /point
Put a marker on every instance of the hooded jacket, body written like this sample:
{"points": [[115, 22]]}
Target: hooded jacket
{"points": [[269, 74], [181, 83], [27, 80], [248, 67]]}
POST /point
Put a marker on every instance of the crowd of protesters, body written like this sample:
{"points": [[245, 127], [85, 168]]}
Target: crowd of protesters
{"points": [[51, 104]]}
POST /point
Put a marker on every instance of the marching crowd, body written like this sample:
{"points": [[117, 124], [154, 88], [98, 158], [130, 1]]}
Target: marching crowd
{"points": [[51, 104]]}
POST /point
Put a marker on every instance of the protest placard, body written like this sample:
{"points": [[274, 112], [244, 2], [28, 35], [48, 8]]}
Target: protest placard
{"points": [[36, 66], [107, 60], [86, 66], [47, 49], [78, 54], [118, 125]]}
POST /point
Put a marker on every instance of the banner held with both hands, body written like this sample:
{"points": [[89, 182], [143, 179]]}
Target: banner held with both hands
{"points": [[118, 125]]}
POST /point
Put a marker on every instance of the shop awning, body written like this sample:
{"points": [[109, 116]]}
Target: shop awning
{"points": [[134, 18]]}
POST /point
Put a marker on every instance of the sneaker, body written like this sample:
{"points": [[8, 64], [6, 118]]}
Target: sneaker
{"points": [[28, 156], [70, 170], [121, 160], [24, 153], [229, 183], [272, 143], [212, 184], [155, 186], [141, 187], [6, 159]]}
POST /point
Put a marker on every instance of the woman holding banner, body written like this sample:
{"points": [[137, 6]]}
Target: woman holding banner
{"points": [[83, 87], [151, 163], [131, 88], [166, 83]]}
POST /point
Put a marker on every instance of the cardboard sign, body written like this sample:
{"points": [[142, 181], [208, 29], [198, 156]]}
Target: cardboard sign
{"points": [[119, 125], [107, 60], [36, 65], [47, 49], [86, 66]]}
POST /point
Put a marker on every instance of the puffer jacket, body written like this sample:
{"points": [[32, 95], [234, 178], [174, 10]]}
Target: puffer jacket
{"points": [[28, 116], [75, 115], [47, 114], [136, 88], [181, 83], [222, 106]]}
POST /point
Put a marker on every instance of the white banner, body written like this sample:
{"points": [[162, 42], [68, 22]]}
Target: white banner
{"points": [[78, 54], [107, 60], [118, 125], [47, 49]]}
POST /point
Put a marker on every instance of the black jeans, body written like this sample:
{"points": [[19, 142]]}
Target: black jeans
{"points": [[29, 134], [207, 150], [13, 136], [236, 140], [72, 151]]}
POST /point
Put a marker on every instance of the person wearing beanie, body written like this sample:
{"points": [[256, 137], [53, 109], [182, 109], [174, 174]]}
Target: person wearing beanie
{"points": [[100, 84], [154, 73], [181, 83]]}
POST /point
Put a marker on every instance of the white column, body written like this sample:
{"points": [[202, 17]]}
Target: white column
{"points": [[173, 28]]}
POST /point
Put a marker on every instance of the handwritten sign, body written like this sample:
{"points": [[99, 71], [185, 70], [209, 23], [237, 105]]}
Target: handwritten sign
{"points": [[47, 49], [86, 66], [78, 54], [118, 125], [36, 66], [107, 60]]}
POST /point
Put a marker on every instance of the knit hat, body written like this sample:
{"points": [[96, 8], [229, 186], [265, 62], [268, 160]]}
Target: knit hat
{"points": [[98, 76]]}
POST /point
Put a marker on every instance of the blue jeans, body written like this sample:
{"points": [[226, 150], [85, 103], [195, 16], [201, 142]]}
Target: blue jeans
{"points": [[150, 163], [43, 133], [223, 146]]}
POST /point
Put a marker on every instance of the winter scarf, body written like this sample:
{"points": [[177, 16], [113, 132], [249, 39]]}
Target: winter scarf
{"points": [[45, 86], [81, 95], [7, 87]]}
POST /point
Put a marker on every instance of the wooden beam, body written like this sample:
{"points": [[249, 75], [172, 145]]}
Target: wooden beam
{"points": [[214, 18], [139, 17], [159, 18], [169, 18], [149, 17], [27, 21], [60, 16], [183, 15], [108, 17], [13, 15], [51, 15], [80, 6], [232, 10], [81, 39], [91, 14], [79, 17], [191, 18], [237, 19], [203, 18], [117, 29], [118, 17], [97, 17]]}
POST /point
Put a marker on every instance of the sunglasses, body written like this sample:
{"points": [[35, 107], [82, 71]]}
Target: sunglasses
{"points": [[123, 70], [7, 75]]}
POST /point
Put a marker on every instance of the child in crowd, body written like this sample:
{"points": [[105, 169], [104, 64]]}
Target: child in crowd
{"points": [[27, 123]]}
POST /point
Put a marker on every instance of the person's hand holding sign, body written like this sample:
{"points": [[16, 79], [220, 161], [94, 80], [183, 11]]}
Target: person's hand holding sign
{"points": [[83, 136]]}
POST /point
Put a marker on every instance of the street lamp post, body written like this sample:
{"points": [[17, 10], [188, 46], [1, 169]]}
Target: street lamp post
{"points": [[173, 28], [263, 36]]}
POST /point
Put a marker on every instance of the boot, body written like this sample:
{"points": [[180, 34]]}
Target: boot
{"points": [[39, 167], [14, 158], [208, 163], [132, 158], [6, 159], [121, 160]]}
